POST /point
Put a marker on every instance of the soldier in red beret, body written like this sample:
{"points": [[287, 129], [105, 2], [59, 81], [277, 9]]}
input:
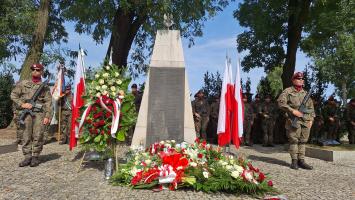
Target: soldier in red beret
{"points": [[289, 101]]}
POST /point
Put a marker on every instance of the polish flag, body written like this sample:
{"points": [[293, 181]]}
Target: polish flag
{"points": [[225, 107], [78, 101], [238, 110]]}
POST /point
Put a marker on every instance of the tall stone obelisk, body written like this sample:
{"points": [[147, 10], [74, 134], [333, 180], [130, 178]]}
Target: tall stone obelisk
{"points": [[165, 112]]}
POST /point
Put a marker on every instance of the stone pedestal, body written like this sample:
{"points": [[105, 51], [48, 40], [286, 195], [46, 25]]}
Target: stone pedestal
{"points": [[165, 112]]}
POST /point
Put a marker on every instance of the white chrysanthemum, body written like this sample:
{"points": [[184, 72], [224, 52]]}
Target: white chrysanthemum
{"points": [[113, 94], [101, 81], [105, 93], [98, 88], [238, 168], [105, 75], [173, 141], [97, 75], [104, 87], [162, 142], [119, 82], [193, 164], [205, 174], [116, 74], [98, 94], [113, 88], [148, 162], [235, 174], [229, 167], [134, 171], [107, 67]]}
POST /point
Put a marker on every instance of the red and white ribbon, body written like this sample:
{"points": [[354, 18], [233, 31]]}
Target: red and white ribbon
{"points": [[83, 117]]}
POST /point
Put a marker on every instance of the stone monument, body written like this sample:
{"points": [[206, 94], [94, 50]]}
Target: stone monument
{"points": [[165, 112]]}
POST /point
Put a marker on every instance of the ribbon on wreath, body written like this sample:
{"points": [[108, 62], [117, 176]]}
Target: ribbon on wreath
{"points": [[116, 104]]}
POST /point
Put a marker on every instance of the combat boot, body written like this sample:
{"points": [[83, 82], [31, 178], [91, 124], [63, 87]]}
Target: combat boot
{"points": [[294, 164], [304, 165], [34, 162], [25, 162]]}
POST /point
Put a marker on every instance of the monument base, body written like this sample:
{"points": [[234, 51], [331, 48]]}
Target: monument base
{"points": [[333, 154]]}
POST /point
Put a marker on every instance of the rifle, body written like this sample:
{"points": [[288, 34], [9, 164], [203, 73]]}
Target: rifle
{"points": [[302, 107], [32, 101]]}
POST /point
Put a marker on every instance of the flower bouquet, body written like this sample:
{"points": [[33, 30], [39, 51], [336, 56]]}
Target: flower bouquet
{"points": [[109, 111], [199, 166]]}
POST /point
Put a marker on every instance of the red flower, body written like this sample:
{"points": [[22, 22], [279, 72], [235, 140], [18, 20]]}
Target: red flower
{"points": [[151, 175], [261, 177], [89, 121], [138, 177], [102, 132], [200, 155], [197, 140], [97, 115], [108, 114], [251, 167], [101, 122], [269, 183]]}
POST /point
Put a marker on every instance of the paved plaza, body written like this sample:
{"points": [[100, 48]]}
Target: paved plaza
{"points": [[57, 178]]}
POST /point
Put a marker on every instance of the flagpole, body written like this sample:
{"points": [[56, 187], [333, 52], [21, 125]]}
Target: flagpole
{"points": [[59, 119]]}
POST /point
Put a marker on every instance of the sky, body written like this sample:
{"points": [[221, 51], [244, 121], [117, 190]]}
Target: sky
{"points": [[208, 53]]}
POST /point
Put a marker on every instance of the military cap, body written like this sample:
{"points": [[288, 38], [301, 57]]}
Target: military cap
{"points": [[134, 85], [331, 98], [68, 87], [37, 66], [297, 75]]}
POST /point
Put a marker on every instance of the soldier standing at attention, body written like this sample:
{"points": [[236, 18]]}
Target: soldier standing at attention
{"points": [[256, 128], [248, 121], [33, 125], [268, 111], [350, 120], [331, 119], [214, 112], [65, 103], [289, 101], [201, 113]]}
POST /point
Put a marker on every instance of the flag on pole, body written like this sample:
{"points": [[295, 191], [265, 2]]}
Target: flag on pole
{"points": [[59, 86], [78, 101], [225, 107], [238, 110]]}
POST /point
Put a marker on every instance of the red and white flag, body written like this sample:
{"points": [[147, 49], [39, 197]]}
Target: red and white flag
{"points": [[59, 86], [238, 110], [78, 101], [225, 107]]}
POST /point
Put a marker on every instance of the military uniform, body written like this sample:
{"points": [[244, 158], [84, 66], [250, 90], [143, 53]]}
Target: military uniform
{"points": [[317, 126], [201, 107], [247, 124], [290, 100], [331, 120], [256, 128], [350, 121], [65, 124], [268, 113], [213, 121], [33, 127]]}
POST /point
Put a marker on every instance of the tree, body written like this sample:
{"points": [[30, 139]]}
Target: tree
{"points": [[212, 85], [134, 23], [16, 27], [275, 81], [264, 87], [307, 79], [6, 82], [331, 42], [317, 78], [272, 24]]}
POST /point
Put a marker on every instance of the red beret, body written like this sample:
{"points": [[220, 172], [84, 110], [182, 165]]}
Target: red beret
{"points": [[37, 66], [297, 75]]}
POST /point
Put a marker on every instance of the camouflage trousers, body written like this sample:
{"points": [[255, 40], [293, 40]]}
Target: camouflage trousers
{"points": [[33, 135], [317, 129], [332, 129], [65, 126], [297, 138], [351, 133], [267, 126], [19, 130], [201, 127], [247, 132]]}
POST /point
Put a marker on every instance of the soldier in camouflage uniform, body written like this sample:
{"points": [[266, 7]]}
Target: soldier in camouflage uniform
{"points": [[201, 113], [256, 128], [19, 128], [268, 113], [248, 121], [350, 120], [213, 122], [289, 101], [317, 127], [33, 134], [65, 124], [331, 119]]}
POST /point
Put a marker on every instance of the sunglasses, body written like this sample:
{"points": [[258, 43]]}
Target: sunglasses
{"points": [[37, 70]]}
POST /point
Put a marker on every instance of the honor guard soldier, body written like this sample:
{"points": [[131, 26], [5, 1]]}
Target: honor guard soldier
{"points": [[298, 124], [32, 98]]}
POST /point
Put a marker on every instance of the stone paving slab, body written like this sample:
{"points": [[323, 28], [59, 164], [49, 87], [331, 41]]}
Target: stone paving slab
{"points": [[56, 178]]}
